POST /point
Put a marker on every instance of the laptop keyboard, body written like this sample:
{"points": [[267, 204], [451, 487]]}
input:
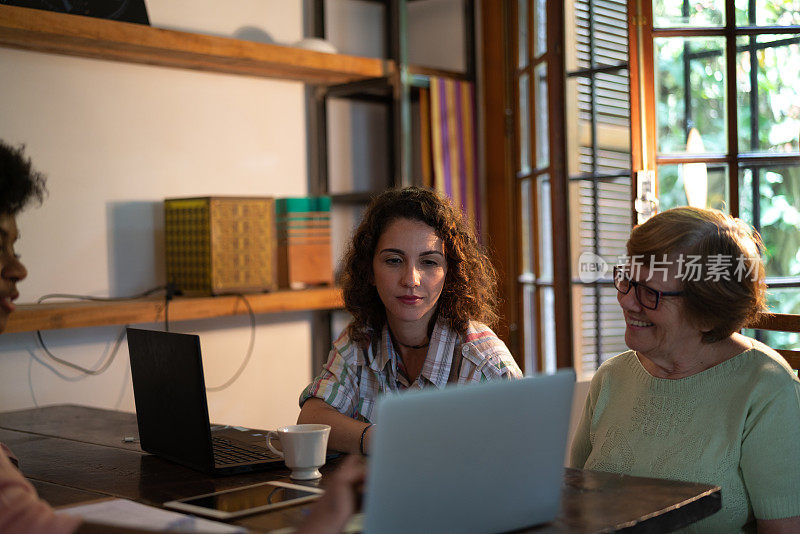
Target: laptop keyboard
{"points": [[227, 452]]}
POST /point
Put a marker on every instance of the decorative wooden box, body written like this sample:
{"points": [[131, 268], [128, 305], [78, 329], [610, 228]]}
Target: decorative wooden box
{"points": [[217, 245], [304, 242]]}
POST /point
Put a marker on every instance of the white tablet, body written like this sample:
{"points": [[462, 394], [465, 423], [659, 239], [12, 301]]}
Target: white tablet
{"points": [[238, 502]]}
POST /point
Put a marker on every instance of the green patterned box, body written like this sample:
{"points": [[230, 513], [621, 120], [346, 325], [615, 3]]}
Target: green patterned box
{"points": [[218, 245]]}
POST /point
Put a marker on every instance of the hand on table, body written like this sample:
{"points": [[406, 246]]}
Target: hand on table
{"points": [[14, 460], [330, 513]]}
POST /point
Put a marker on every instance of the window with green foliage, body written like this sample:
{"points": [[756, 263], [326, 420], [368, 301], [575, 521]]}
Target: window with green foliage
{"points": [[727, 87]]}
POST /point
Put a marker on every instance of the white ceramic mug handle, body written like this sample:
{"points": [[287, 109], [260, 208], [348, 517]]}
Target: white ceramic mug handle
{"points": [[272, 434]]}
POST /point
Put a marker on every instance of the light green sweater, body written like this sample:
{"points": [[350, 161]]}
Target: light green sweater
{"points": [[735, 425]]}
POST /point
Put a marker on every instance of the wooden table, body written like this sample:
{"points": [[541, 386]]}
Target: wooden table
{"points": [[75, 454]]}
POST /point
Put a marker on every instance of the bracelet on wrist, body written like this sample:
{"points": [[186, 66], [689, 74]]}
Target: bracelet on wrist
{"points": [[361, 443]]}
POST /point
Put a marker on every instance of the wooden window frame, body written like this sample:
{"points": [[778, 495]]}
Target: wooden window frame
{"points": [[499, 107], [642, 35]]}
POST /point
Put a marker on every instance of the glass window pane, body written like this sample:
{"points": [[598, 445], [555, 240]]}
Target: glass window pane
{"points": [[690, 94], [784, 300], [539, 27], [780, 300], [673, 13], [530, 353], [768, 13], [746, 195], [703, 185], [541, 120], [524, 125], [579, 125], [777, 214], [776, 340], [768, 93], [526, 228], [548, 308], [522, 36], [545, 230]]}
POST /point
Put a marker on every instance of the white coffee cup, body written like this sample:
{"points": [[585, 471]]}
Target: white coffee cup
{"points": [[304, 448]]}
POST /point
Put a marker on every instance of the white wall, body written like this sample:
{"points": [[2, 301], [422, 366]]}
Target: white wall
{"points": [[115, 139], [435, 39]]}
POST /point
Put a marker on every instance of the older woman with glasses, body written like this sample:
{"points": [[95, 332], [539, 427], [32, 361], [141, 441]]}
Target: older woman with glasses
{"points": [[694, 399]]}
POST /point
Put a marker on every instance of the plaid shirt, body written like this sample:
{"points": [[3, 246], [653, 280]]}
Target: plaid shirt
{"points": [[352, 379]]}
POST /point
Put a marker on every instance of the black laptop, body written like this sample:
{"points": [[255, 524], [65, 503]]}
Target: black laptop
{"points": [[172, 411]]}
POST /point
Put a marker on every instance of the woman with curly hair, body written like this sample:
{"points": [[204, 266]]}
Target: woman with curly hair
{"points": [[422, 294]]}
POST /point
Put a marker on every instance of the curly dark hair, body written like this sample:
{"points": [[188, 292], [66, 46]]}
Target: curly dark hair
{"points": [[19, 182], [470, 285]]}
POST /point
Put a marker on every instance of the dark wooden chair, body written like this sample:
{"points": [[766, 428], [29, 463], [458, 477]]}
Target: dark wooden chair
{"points": [[781, 322]]}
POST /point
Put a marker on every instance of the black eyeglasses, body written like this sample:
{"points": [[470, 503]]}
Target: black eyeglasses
{"points": [[646, 296]]}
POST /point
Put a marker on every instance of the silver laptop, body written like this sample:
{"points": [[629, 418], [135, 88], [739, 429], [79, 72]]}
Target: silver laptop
{"points": [[479, 458]]}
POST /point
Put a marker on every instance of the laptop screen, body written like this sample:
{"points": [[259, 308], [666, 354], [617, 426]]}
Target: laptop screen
{"points": [[169, 393], [475, 458]]}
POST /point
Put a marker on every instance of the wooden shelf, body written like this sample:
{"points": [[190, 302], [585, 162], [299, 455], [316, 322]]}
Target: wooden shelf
{"points": [[58, 33], [50, 316]]}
